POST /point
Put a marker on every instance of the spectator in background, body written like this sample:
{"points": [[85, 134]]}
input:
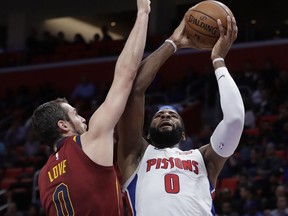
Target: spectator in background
{"points": [[79, 39], [249, 76], [83, 96], [48, 43], [248, 201], [227, 209], [280, 128], [251, 208], [85, 90], [32, 43], [269, 72], [267, 105], [61, 39], [101, 92], [12, 210], [45, 92], [96, 39], [243, 181], [15, 134], [204, 136], [32, 144], [270, 163], [282, 207], [23, 97], [250, 116], [2, 154], [280, 191], [266, 212], [257, 93], [231, 168], [251, 166], [95, 45], [266, 134], [33, 210], [280, 87], [105, 35]]}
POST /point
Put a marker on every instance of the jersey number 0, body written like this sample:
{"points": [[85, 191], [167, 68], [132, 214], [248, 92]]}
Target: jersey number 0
{"points": [[171, 182], [62, 201]]}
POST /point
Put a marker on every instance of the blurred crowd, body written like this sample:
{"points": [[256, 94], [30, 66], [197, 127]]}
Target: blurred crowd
{"points": [[47, 47]]}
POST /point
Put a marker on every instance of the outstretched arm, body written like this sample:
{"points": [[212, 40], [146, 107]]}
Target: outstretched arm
{"points": [[98, 141], [226, 136], [130, 127]]}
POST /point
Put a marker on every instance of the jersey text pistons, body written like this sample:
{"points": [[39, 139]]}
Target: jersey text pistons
{"points": [[164, 163]]}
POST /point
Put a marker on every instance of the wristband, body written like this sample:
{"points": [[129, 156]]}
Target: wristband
{"points": [[217, 59], [173, 44]]}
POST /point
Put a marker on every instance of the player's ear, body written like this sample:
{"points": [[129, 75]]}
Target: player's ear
{"points": [[148, 136], [183, 136], [62, 125]]}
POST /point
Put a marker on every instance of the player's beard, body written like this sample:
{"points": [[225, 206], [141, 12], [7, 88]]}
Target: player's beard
{"points": [[166, 138], [78, 131]]}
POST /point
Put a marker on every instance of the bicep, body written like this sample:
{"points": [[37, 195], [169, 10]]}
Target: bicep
{"points": [[214, 162]]}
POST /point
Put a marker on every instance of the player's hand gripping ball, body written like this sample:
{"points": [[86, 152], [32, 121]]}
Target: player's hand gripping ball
{"points": [[201, 22]]}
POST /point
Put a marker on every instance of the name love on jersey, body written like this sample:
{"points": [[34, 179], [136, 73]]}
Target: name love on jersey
{"points": [[57, 170]]}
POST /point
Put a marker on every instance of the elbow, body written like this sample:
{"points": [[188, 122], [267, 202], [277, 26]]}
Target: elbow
{"points": [[235, 124], [237, 119], [238, 123]]}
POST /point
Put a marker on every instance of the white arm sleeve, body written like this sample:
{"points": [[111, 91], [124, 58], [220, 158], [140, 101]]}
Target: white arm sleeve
{"points": [[227, 134]]}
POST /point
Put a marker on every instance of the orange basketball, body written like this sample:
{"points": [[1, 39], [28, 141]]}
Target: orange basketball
{"points": [[201, 22]]}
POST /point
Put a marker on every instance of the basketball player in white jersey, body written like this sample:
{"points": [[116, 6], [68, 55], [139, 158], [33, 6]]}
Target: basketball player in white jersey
{"points": [[158, 178]]}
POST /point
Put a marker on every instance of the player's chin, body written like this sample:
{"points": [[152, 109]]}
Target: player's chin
{"points": [[165, 128], [83, 129]]}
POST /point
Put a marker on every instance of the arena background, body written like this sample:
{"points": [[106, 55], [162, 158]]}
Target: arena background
{"points": [[263, 36]]}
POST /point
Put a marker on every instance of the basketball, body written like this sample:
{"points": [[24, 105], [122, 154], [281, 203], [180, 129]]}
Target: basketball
{"points": [[201, 22]]}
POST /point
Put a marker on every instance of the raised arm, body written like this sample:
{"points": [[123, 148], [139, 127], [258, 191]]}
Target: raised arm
{"points": [[130, 127], [226, 136], [98, 141]]}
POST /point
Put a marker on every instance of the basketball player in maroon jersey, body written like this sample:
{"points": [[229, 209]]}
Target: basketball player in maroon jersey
{"points": [[79, 177]]}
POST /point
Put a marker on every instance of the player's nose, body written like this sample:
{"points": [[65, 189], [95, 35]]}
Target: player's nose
{"points": [[166, 115]]}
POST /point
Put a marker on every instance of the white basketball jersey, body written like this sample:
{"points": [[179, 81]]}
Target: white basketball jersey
{"points": [[170, 182]]}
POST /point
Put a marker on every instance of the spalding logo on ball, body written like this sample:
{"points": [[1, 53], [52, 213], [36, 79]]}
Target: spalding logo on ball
{"points": [[201, 22]]}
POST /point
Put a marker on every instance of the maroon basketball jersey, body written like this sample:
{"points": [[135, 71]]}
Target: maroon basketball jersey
{"points": [[72, 184]]}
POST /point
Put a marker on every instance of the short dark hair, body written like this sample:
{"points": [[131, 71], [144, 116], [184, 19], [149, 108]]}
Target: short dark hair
{"points": [[45, 119]]}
